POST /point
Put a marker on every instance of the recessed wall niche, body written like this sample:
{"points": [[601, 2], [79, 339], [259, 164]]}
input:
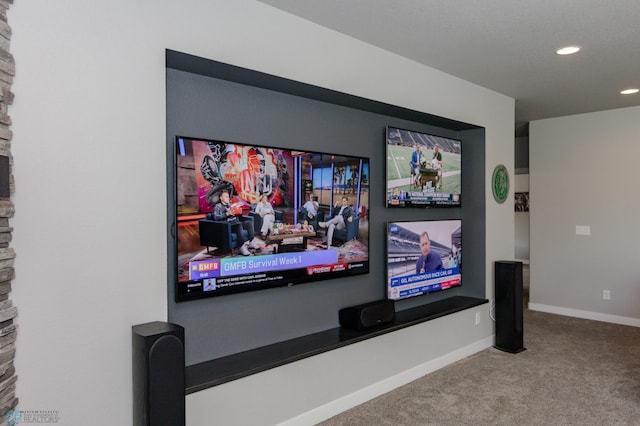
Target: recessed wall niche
{"points": [[213, 100]]}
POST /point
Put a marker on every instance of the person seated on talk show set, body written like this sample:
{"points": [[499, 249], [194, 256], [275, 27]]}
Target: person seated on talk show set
{"points": [[224, 211], [428, 260], [268, 215], [339, 221], [311, 207]]}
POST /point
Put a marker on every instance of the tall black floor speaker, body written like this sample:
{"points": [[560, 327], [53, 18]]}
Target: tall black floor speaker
{"points": [[158, 374], [509, 314], [5, 177]]}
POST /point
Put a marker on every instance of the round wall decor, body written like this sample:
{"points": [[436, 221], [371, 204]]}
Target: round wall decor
{"points": [[500, 183]]}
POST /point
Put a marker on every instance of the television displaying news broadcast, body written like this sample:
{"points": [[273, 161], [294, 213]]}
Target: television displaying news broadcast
{"points": [[423, 170], [423, 257], [250, 217]]}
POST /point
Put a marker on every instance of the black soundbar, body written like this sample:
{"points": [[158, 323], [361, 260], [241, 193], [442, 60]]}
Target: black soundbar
{"points": [[362, 317]]}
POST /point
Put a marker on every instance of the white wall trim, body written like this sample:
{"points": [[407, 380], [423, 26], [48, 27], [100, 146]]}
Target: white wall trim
{"points": [[365, 394], [577, 313]]}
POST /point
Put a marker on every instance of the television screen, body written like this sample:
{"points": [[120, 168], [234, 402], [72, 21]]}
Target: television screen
{"points": [[423, 257], [422, 170], [252, 217]]}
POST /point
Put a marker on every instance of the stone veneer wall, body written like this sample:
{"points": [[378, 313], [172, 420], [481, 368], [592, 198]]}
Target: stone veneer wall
{"points": [[7, 311]]}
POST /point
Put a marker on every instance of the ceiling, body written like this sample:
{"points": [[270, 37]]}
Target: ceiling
{"points": [[505, 45]]}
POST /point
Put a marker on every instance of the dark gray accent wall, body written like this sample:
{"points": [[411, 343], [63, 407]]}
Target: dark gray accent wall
{"points": [[205, 106], [522, 155]]}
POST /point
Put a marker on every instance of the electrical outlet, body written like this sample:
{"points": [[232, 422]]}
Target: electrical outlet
{"points": [[477, 318], [606, 294], [583, 230]]}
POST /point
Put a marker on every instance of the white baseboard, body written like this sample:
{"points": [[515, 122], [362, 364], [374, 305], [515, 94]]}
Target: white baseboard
{"points": [[596, 316], [363, 395]]}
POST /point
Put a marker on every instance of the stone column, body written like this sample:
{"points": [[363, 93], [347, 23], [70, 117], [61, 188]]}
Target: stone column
{"points": [[8, 312]]}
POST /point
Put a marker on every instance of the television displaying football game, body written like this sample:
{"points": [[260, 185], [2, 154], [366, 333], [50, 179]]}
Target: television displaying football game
{"points": [[423, 170], [251, 217], [423, 257]]}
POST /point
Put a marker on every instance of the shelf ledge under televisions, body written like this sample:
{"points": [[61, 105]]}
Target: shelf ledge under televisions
{"points": [[207, 374]]}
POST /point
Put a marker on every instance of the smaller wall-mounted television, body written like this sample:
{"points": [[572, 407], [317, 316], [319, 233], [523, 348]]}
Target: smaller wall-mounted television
{"points": [[423, 170], [246, 246], [423, 257]]}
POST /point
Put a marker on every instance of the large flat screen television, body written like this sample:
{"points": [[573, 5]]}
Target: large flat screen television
{"points": [[423, 170], [251, 217], [423, 257]]}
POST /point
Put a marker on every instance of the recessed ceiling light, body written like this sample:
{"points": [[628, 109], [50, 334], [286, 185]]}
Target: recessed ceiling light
{"points": [[568, 50], [629, 91]]}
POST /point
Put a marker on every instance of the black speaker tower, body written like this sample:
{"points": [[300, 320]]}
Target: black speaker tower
{"points": [[5, 177], [509, 313], [158, 374]]}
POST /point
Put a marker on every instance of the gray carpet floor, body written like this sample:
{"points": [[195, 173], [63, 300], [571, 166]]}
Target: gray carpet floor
{"points": [[574, 372]]}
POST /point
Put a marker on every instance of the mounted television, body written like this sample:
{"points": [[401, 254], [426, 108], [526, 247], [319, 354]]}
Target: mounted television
{"points": [[423, 257], [423, 170], [251, 217]]}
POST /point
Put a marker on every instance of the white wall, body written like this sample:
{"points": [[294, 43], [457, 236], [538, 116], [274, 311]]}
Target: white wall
{"points": [[583, 173], [89, 148]]}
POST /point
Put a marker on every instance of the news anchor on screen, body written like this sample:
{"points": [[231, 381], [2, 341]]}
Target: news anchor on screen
{"points": [[428, 261]]}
